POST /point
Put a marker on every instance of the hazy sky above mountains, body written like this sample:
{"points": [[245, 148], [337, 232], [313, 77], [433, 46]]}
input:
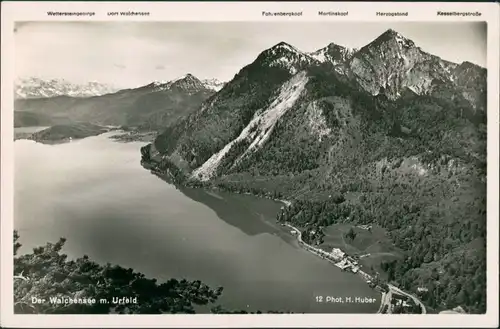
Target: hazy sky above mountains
{"points": [[134, 54]]}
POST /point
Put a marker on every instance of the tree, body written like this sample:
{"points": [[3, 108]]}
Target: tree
{"points": [[46, 273], [351, 235]]}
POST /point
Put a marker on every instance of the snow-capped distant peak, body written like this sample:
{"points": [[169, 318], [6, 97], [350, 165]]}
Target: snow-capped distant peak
{"points": [[168, 83], [34, 87], [159, 83], [213, 84], [186, 82]]}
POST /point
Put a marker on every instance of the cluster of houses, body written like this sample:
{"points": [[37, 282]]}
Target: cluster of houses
{"points": [[399, 300], [346, 262], [343, 261], [398, 304]]}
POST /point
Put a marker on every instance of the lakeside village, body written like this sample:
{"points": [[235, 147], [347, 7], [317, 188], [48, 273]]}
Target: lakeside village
{"points": [[393, 299], [336, 256]]}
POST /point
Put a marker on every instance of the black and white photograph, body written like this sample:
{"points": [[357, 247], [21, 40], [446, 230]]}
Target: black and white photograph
{"points": [[250, 167]]}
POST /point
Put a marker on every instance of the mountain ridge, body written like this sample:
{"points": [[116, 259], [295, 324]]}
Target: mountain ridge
{"points": [[150, 106], [386, 79], [413, 63]]}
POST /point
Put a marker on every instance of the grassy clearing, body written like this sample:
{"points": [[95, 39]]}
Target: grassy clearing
{"points": [[371, 246]]}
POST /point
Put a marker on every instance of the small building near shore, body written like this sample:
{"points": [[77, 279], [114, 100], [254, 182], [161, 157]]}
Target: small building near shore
{"points": [[403, 303], [343, 264], [337, 253]]}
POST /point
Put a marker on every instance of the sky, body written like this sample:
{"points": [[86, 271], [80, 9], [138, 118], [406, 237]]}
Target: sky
{"points": [[131, 54]]}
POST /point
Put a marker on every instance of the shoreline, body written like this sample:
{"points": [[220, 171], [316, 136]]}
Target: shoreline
{"points": [[318, 252], [386, 296], [33, 135]]}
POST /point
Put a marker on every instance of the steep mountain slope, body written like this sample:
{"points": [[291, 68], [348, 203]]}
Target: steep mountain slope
{"points": [[38, 88], [399, 135], [155, 105]]}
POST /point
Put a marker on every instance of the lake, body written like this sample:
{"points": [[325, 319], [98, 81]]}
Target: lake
{"points": [[95, 193]]}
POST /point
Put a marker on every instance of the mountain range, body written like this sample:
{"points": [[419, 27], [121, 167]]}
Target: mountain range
{"points": [[33, 87], [397, 132], [157, 104], [390, 69]]}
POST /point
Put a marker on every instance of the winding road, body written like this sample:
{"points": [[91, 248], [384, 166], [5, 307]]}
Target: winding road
{"points": [[415, 299]]}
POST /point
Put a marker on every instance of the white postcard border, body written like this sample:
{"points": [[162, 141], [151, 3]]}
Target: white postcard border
{"points": [[249, 11]]}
